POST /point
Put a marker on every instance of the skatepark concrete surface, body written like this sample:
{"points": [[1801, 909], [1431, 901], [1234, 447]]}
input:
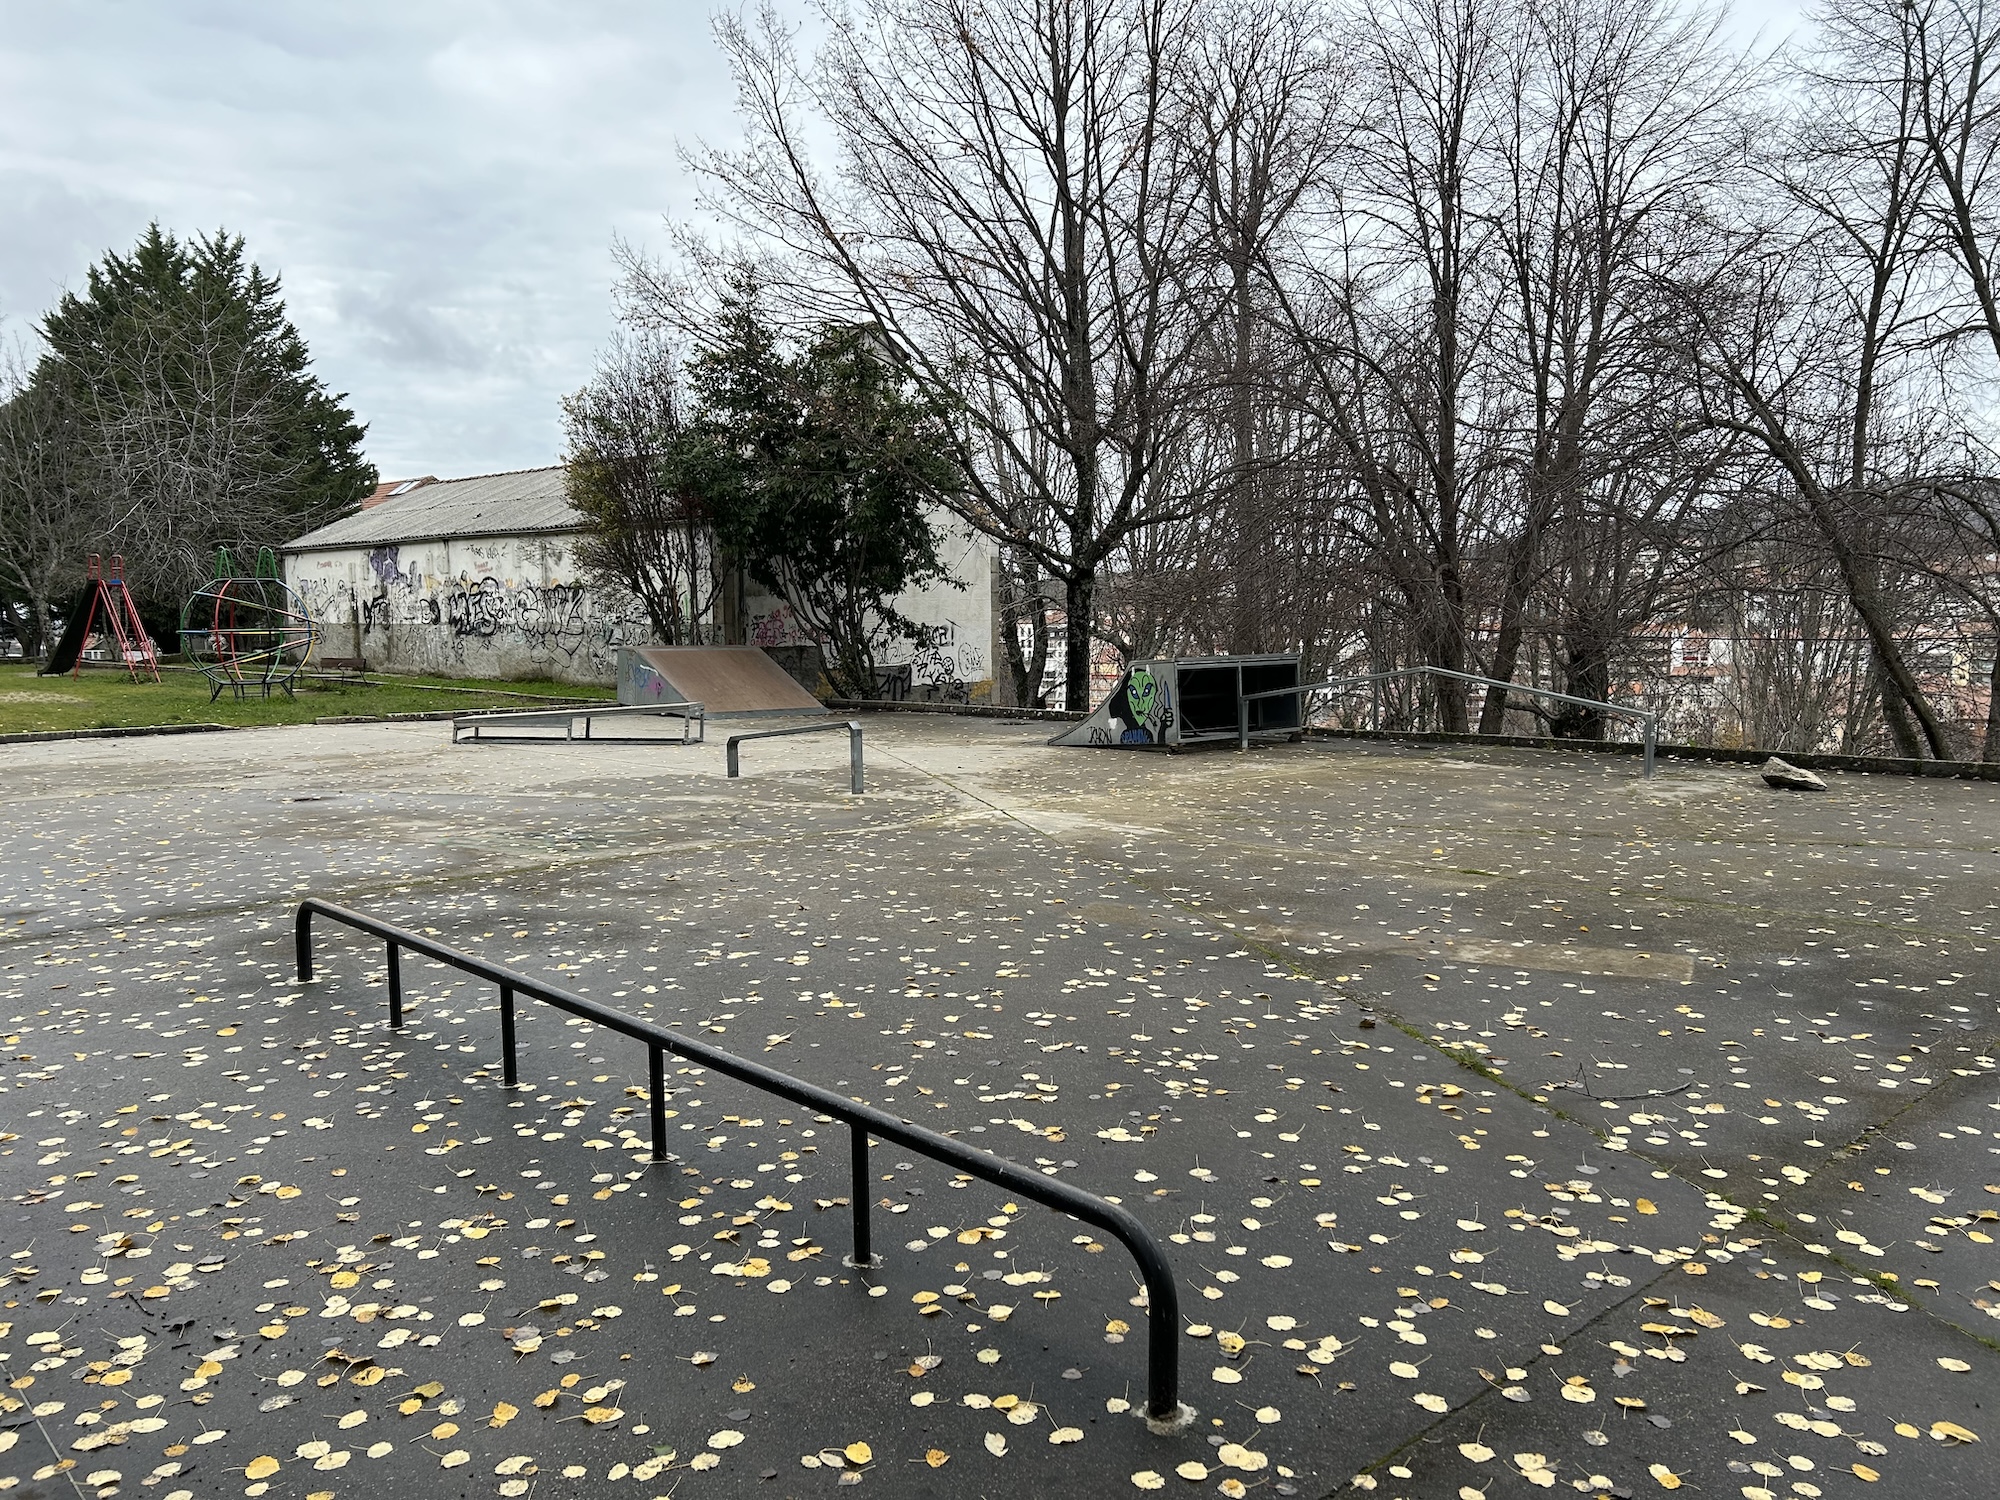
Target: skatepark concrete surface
{"points": [[1513, 1124]]}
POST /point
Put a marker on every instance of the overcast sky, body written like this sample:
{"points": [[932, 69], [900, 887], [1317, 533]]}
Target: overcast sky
{"points": [[438, 182]]}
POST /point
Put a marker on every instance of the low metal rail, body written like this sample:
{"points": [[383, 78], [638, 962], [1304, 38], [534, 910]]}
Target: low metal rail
{"points": [[1163, 1408], [1647, 719], [853, 746], [692, 717]]}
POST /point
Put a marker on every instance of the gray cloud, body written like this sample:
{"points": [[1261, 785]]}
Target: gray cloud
{"points": [[438, 183]]}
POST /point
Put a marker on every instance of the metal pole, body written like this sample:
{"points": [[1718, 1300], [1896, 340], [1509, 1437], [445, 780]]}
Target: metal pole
{"points": [[395, 988], [1652, 743], [1163, 1332], [854, 757], [734, 757], [302, 943], [509, 1074], [1375, 707], [656, 1096], [857, 1136], [1242, 721]]}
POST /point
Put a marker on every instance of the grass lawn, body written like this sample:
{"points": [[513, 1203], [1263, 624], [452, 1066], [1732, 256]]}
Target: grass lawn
{"points": [[107, 699]]}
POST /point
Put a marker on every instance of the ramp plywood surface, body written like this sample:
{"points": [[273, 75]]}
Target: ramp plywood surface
{"points": [[729, 679]]}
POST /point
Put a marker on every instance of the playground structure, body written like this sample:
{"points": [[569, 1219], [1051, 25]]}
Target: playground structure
{"points": [[247, 632], [105, 607]]}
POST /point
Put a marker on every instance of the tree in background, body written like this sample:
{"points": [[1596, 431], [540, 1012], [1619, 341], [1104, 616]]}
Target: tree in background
{"points": [[49, 510], [1006, 205], [190, 414], [815, 468], [645, 533]]}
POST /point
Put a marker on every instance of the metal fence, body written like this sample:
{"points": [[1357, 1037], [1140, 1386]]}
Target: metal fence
{"points": [[1163, 1409], [1646, 718]]}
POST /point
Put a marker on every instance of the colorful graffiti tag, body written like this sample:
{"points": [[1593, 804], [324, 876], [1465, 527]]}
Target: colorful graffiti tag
{"points": [[1139, 713]]}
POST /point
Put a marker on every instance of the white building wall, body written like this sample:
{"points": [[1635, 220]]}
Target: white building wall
{"points": [[517, 607], [958, 648], [497, 607]]}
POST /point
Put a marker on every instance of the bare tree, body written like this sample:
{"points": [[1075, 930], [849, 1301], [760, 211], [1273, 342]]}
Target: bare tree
{"points": [[1801, 332], [1620, 130], [1006, 209], [49, 512], [644, 537]]}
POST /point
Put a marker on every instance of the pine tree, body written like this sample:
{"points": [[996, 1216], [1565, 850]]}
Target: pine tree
{"points": [[195, 396]]}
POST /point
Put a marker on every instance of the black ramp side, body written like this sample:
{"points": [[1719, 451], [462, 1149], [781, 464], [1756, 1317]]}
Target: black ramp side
{"points": [[76, 630]]}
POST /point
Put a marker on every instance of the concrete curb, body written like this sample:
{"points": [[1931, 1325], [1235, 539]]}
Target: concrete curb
{"points": [[1880, 765], [962, 710], [42, 736]]}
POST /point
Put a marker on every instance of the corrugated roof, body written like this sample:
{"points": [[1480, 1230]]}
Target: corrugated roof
{"points": [[524, 502], [389, 489]]}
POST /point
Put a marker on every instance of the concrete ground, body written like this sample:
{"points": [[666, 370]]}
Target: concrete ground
{"points": [[1512, 1123]]}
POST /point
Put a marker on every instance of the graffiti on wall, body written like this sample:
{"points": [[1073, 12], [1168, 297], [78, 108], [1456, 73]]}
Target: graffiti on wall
{"points": [[778, 628], [470, 623], [554, 617], [935, 665], [471, 608]]}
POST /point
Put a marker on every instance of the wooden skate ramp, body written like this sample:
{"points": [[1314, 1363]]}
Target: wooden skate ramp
{"points": [[728, 681]]}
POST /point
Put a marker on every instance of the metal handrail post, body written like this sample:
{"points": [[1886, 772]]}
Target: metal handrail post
{"points": [[1648, 719], [510, 1073], [1164, 1412], [395, 988], [854, 756], [857, 1190], [733, 757], [656, 1098]]}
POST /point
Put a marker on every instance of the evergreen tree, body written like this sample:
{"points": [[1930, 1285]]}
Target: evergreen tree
{"points": [[195, 397], [817, 469]]}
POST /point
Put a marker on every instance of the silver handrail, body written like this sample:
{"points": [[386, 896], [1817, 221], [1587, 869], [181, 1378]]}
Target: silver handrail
{"points": [[693, 719], [852, 727]]}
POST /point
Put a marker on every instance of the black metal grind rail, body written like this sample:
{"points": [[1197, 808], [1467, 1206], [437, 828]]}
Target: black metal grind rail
{"points": [[1163, 1409]]}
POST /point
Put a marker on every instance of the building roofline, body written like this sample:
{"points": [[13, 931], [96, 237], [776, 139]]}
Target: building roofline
{"points": [[290, 550]]}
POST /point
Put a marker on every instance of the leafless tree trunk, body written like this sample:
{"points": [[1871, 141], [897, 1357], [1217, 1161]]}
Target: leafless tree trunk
{"points": [[49, 515], [1005, 203], [643, 539]]}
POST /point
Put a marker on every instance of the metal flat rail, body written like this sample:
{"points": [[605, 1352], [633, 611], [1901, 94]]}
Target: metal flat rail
{"points": [[853, 746], [1164, 1412], [691, 715]]}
